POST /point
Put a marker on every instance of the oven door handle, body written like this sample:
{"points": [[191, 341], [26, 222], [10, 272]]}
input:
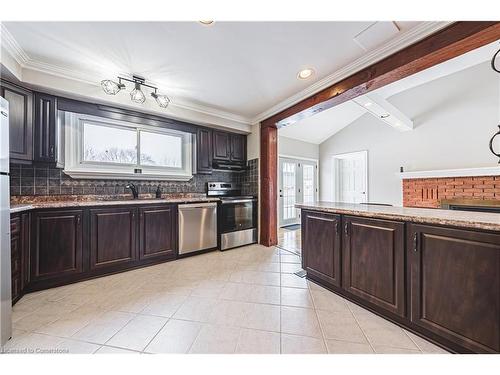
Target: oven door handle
{"points": [[239, 201]]}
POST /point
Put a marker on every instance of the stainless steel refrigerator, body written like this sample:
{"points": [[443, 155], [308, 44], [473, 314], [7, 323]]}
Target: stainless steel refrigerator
{"points": [[5, 278]]}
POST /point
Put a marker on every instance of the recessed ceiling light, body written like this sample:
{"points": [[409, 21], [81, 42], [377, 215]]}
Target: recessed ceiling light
{"points": [[207, 22], [305, 73]]}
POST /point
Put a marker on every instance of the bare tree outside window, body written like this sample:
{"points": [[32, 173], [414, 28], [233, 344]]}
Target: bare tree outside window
{"points": [[109, 145], [106, 144], [161, 150]]}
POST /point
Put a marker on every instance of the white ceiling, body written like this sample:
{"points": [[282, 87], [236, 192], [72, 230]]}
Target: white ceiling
{"points": [[243, 68], [318, 128]]}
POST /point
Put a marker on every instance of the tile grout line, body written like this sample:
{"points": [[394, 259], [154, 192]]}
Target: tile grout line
{"points": [[154, 336], [414, 342], [362, 330], [319, 321]]}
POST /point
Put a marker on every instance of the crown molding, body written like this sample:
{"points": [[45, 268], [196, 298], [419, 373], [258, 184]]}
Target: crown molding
{"points": [[404, 40], [411, 36], [12, 47], [22, 58]]}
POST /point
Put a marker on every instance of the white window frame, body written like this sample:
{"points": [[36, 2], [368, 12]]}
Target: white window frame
{"points": [[76, 167]]}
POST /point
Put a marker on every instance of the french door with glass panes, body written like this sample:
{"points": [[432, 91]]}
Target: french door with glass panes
{"points": [[297, 184]]}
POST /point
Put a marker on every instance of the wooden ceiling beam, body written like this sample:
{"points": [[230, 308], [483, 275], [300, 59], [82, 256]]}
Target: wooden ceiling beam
{"points": [[445, 44]]}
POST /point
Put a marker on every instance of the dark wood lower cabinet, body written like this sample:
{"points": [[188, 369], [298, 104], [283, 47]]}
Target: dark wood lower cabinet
{"points": [[373, 259], [321, 238], [20, 242], [113, 240], [157, 232], [16, 257], [442, 283], [56, 250], [67, 245], [455, 285]]}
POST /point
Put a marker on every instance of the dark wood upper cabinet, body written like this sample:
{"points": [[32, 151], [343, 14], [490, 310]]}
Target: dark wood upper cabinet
{"points": [[373, 259], [221, 147], [20, 121], [157, 232], [229, 147], [45, 123], [56, 249], [321, 246], [238, 147], [113, 236], [204, 151], [455, 285]]}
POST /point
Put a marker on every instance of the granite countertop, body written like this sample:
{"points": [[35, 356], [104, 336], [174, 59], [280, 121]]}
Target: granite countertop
{"points": [[26, 203], [466, 219]]}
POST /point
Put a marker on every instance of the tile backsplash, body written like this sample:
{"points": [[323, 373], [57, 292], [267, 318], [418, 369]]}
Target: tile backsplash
{"points": [[250, 179], [43, 180]]}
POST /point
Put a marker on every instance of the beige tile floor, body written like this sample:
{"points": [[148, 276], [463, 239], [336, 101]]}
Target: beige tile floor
{"points": [[290, 240], [245, 300]]}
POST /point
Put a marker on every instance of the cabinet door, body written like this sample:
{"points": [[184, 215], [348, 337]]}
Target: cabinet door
{"points": [[15, 257], [204, 151], [112, 238], [156, 232], [45, 128], [238, 147], [321, 246], [455, 285], [221, 148], [20, 121], [57, 244], [25, 249], [373, 259]]}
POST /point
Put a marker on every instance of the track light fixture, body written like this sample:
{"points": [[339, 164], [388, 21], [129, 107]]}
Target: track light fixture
{"points": [[111, 87]]}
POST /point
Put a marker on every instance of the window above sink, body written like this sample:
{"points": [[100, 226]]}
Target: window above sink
{"points": [[102, 148]]}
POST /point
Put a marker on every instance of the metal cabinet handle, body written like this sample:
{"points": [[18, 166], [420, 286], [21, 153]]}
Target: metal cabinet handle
{"points": [[346, 229], [337, 227], [415, 242], [78, 220], [51, 150]]}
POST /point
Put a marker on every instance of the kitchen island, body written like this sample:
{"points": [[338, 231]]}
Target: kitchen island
{"points": [[435, 272]]}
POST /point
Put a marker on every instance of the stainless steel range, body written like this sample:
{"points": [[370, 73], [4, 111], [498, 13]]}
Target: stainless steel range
{"points": [[237, 214]]}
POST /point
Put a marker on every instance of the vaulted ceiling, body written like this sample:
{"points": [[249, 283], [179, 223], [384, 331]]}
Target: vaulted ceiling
{"points": [[412, 95]]}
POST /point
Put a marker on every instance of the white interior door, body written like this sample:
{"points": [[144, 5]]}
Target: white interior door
{"points": [[297, 183], [351, 174]]}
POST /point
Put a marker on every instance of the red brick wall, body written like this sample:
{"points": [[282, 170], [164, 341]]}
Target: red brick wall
{"points": [[428, 192]]}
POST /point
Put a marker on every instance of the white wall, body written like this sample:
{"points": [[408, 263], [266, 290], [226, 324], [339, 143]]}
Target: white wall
{"points": [[253, 143], [299, 149], [454, 118]]}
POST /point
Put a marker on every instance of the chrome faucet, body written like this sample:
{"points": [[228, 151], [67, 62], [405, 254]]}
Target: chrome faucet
{"points": [[132, 187]]}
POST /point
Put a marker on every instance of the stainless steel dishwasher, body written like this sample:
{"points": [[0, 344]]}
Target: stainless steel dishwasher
{"points": [[197, 227]]}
